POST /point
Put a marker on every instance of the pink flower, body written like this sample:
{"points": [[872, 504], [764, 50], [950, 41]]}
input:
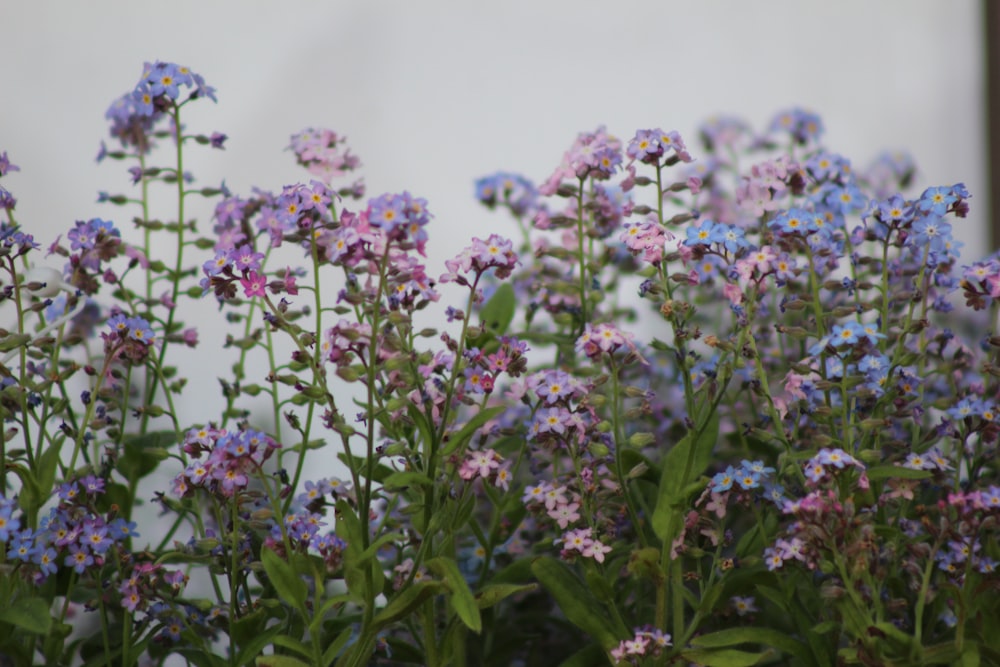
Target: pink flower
{"points": [[555, 496], [576, 539], [733, 293], [565, 514], [253, 284], [596, 550]]}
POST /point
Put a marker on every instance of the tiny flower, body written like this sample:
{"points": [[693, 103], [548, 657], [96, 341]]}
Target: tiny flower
{"points": [[743, 605]]}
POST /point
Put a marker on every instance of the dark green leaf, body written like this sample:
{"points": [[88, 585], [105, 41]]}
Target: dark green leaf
{"points": [[494, 593], [403, 604], [279, 661], [590, 656], [754, 635], [899, 472], [723, 657], [576, 601]]}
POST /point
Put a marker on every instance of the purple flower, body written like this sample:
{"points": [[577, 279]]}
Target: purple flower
{"points": [[46, 560], [139, 330], [79, 558], [95, 536], [92, 485], [8, 524], [6, 166], [22, 546], [554, 386]]}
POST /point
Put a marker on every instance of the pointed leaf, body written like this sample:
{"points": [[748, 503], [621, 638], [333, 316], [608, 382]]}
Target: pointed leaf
{"points": [[494, 593], [498, 312], [576, 601], [285, 579], [403, 604], [894, 471], [753, 635], [31, 614], [461, 596], [466, 432], [403, 479], [279, 661], [723, 657], [292, 644], [590, 656], [337, 646], [683, 463]]}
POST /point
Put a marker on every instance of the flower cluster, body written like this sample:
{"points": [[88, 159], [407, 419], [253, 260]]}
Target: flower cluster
{"points": [[496, 252], [512, 191], [323, 153], [233, 458], [804, 459], [7, 201], [646, 642], [159, 87]]}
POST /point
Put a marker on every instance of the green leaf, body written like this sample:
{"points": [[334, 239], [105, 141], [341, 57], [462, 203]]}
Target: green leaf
{"points": [[284, 641], [685, 461], [465, 433], [30, 614], [376, 545], [44, 479], [249, 627], [285, 579], [337, 645], [600, 587], [31, 495], [751, 635], [855, 621], [461, 597], [426, 432], [255, 644], [279, 661], [360, 464], [726, 657], [157, 439], [898, 472], [970, 656], [579, 605], [590, 656], [825, 627], [142, 453], [403, 479], [498, 312], [494, 593], [403, 604]]}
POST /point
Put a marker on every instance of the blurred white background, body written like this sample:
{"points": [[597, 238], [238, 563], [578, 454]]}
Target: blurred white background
{"points": [[433, 94]]}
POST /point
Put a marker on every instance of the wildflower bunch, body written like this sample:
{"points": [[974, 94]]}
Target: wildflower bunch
{"points": [[714, 405]]}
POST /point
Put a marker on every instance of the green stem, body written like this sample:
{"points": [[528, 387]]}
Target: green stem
{"points": [[178, 264], [582, 257], [620, 444]]}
